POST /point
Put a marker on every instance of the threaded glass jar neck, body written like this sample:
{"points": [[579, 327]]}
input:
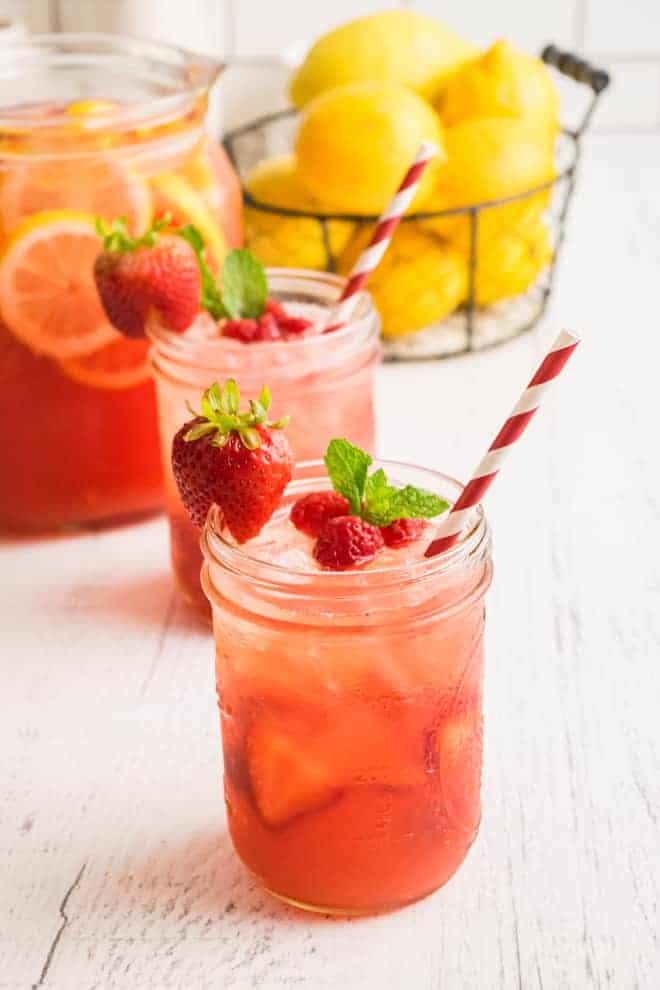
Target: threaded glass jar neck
{"points": [[192, 359], [415, 590]]}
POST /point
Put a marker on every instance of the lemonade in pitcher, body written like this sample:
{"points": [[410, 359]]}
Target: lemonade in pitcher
{"points": [[92, 126]]}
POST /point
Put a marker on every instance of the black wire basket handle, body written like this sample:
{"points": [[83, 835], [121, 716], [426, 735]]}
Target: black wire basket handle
{"points": [[580, 71], [576, 68]]}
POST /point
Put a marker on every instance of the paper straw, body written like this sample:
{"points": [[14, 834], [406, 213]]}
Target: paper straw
{"points": [[389, 221], [549, 369]]}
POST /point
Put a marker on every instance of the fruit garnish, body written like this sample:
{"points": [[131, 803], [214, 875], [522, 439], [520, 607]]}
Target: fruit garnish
{"points": [[364, 513], [403, 531], [241, 462], [244, 286], [242, 302], [286, 779], [47, 293], [347, 541], [155, 271], [271, 325], [311, 512], [371, 496]]}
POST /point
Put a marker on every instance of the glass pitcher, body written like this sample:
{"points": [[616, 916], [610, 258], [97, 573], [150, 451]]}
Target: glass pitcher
{"points": [[91, 126]]}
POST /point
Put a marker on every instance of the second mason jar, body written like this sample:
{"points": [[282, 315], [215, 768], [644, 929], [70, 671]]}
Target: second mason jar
{"points": [[324, 383]]}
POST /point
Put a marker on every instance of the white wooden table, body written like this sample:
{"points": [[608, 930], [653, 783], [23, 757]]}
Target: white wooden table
{"points": [[115, 867]]}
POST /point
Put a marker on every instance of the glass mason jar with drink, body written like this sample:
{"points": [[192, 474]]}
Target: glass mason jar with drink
{"points": [[325, 381], [350, 705], [92, 126]]}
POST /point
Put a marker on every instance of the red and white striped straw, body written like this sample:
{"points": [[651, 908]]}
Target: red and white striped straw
{"points": [[389, 221], [481, 480]]}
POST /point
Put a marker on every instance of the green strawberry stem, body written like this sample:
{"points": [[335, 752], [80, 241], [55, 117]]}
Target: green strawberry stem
{"points": [[221, 416], [244, 285], [116, 237], [370, 496]]}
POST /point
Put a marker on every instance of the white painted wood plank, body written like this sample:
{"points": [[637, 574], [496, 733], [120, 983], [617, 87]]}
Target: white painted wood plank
{"points": [[109, 738]]}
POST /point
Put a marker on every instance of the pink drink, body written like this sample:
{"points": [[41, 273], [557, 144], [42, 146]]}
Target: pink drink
{"points": [[350, 707], [323, 381]]}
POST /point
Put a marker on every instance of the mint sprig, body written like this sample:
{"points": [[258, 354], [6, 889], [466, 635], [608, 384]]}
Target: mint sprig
{"points": [[211, 297], [221, 417], [371, 496], [244, 285]]}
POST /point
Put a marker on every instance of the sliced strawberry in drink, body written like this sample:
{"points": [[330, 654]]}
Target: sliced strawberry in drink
{"points": [[287, 780], [458, 750]]}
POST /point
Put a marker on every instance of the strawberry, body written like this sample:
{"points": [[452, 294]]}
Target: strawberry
{"points": [[403, 531], [238, 461], [156, 271], [311, 512], [347, 541]]}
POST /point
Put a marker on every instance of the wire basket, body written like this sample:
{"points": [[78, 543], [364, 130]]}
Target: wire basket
{"points": [[470, 327]]}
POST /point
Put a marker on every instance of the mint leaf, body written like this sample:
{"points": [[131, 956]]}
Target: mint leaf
{"points": [[384, 504], [415, 503], [211, 297], [378, 499], [347, 468], [244, 285]]}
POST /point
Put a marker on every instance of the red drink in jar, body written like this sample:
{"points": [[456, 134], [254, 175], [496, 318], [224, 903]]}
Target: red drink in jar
{"points": [[351, 707], [325, 382]]}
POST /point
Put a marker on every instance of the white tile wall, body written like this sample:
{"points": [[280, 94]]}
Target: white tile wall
{"points": [[528, 23], [624, 35], [266, 26], [629, 28]]}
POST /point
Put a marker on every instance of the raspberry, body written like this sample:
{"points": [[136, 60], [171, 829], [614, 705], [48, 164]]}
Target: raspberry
{"points": [[273, 324], [347, 541], [312, 511], [245, 330], [268, 328], [276, 309], [403, 531], [292, 326]]}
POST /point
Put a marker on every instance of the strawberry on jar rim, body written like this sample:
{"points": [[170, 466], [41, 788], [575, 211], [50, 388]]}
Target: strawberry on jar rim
{"points": [[241, 462], [157, 271]]}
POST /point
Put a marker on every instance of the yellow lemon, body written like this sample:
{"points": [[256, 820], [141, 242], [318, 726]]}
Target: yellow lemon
{"points": [[400, 46], [491, 158], [420, 280], [509, 264], [502, 82], [355, 143], [175, 196], [295, 242]]}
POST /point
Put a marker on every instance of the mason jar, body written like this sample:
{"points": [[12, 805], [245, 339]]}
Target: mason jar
{"points": [[350, 708], [325, 383]]}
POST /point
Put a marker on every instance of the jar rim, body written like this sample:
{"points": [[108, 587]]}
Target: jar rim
{"points": [[192, 74], [362, 328], [475, 544]]}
